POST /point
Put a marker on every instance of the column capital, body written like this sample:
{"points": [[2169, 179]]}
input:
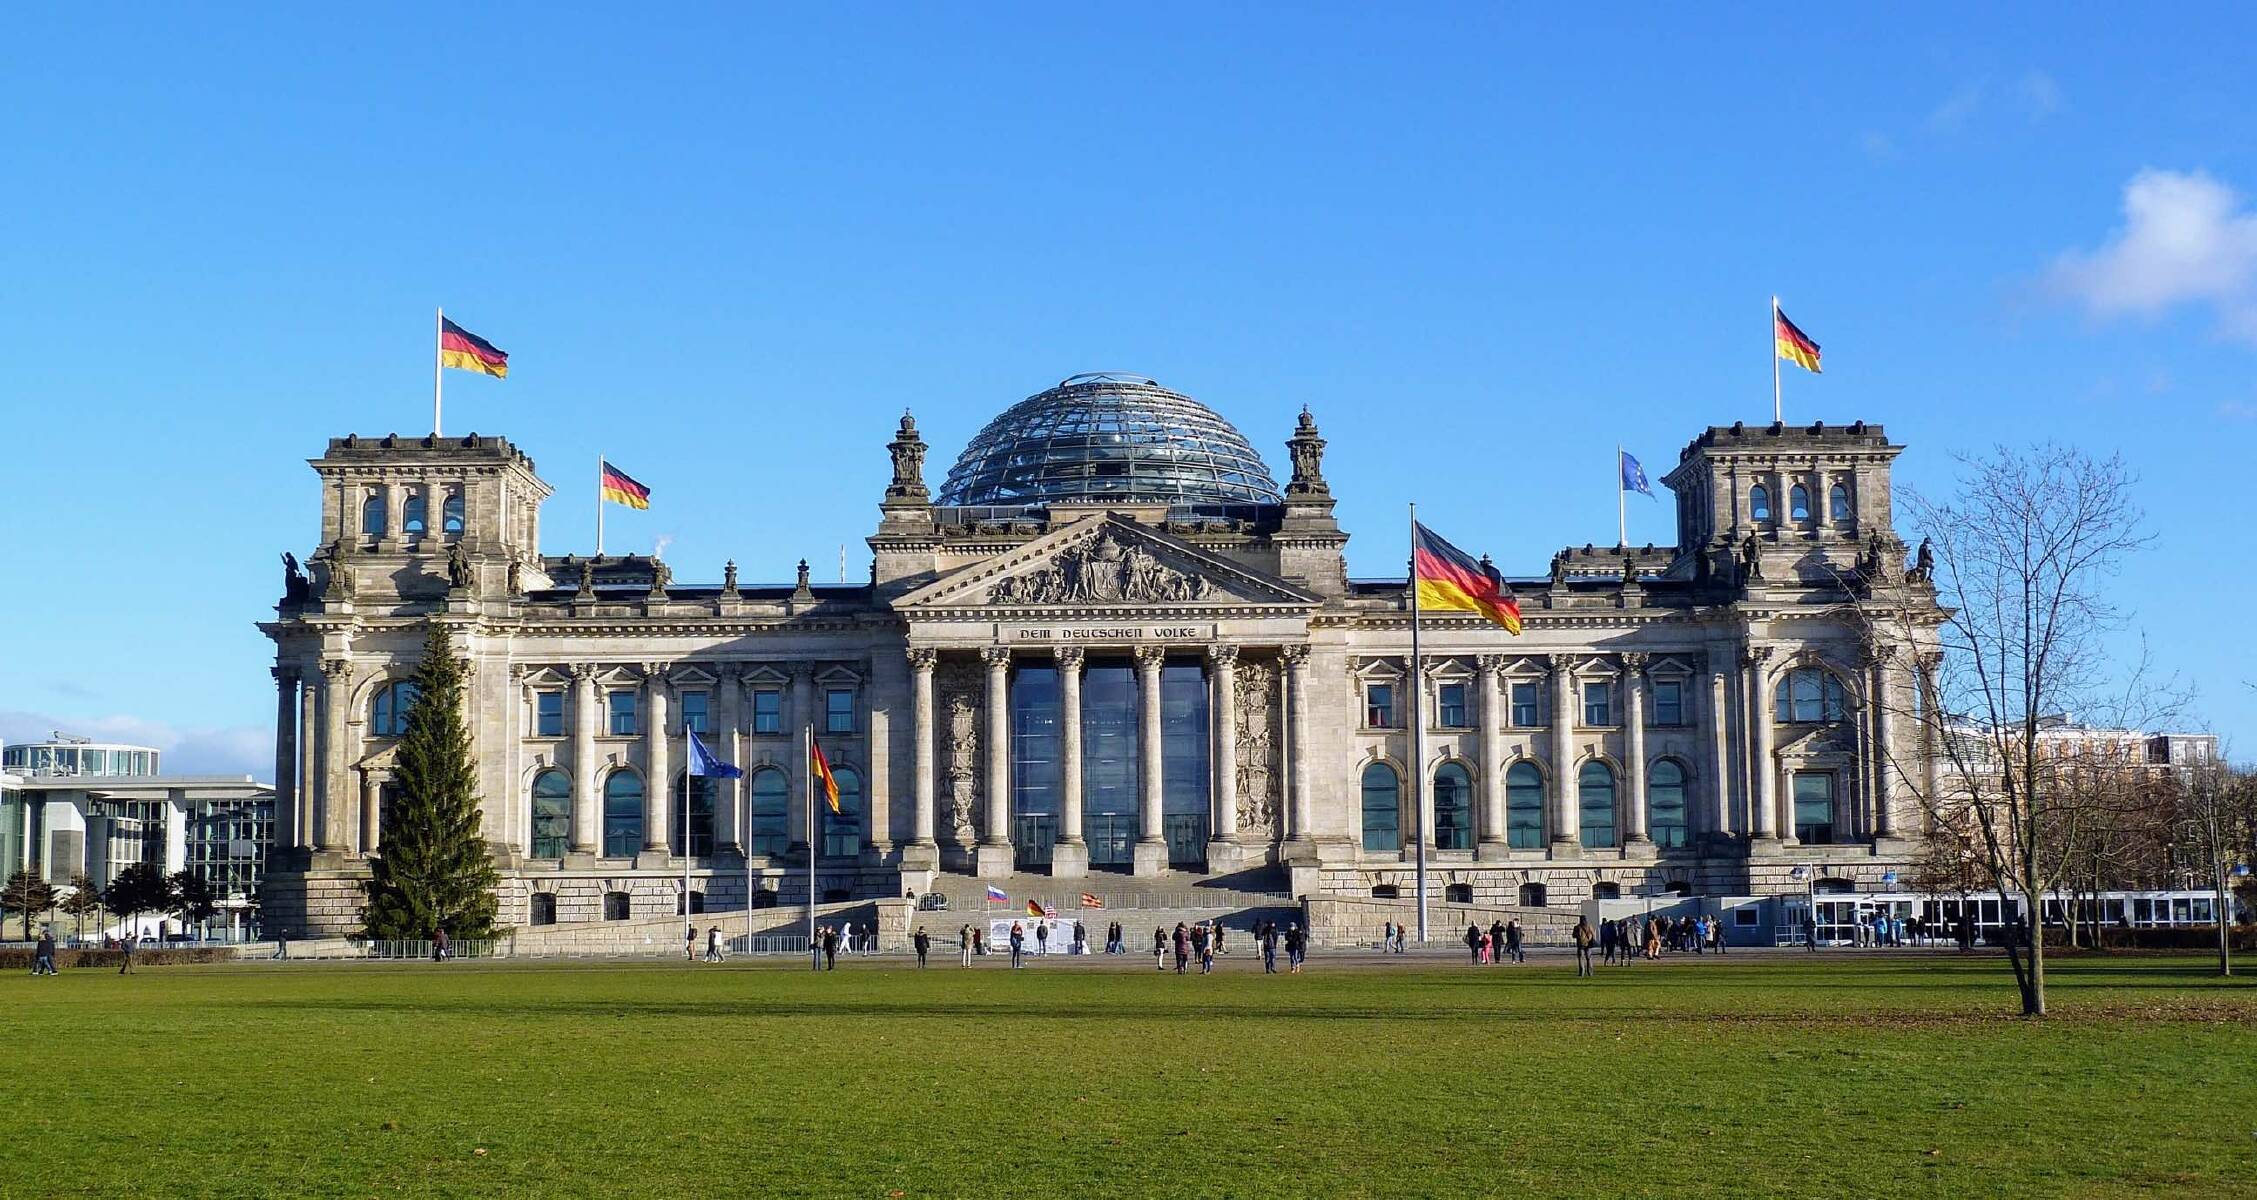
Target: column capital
{"points": [[337, 669], [656, 672], [1634, 662], [1880, 654], [1755, 656], [1563, 664], [801, 672], [1295, 656], [1488, 664], [995, 656], [1149, 658], [286, 675], [583, 672], [1222, 656], [1070, 658], [923, 658]]}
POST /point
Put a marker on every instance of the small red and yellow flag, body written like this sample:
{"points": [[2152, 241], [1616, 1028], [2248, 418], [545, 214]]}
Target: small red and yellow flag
{"points": [[1090, 900], [1448, 580], [1794, 345], [820, 769], [464, 350]]}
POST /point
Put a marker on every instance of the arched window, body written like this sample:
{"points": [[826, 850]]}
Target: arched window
{"points": [[388, 713], [1595, 801], [372, 515], [622, 814], [1453, 808], [411, 516], [1665, 804], [1532, 895], [697, 792], [1759, 503], [1809, 696], [842, 830], [1457, 893], [770, 819], [1383, 809], [1837, 502], [1606, 891], [544, 909], [450, 513], [1798, 503], [552, 816], [616, 906], [1524, 807]]}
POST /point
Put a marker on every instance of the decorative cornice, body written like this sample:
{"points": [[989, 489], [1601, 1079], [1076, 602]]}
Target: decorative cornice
{"points": [[1070, 658], [923, 658], [1222, 657], [1150, 658]]}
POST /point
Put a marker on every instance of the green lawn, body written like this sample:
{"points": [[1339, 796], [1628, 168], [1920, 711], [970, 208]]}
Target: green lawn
{"points": [[1841, 1077]]}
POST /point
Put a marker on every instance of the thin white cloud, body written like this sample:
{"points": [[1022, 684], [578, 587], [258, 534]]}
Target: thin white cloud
{"points": [[1957, 109], [2038, 94], [2187, 239], [238, 750], [2237, 410]]}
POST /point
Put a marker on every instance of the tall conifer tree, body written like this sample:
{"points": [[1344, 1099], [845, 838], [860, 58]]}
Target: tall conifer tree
{"points": [[432, 870]]}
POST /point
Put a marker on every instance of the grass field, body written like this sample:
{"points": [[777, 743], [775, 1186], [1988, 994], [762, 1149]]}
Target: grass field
{"points": [[1843, 1077]]}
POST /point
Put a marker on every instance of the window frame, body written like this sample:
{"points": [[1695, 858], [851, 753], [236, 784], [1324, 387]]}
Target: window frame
{"points": [[1534, 708], [702, 723], [622, 706], [1671, 713], [832, 713], [559, 842], [387, 712], [1528, 788], [1683, 825], [542, 725], [1443, 706], [767, 711], [623, 832], [1394, 793], [1759, 504], [1378, 715], [1459, 828], [1605, 717], [1825, 832], [1584, 807]]}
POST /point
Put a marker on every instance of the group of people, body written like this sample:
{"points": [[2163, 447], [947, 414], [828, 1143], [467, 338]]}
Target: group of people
{"points": [[1500, 943], [1626, 939], [847, 938]]}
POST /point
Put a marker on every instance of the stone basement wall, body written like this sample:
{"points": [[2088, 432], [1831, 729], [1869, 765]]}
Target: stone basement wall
{"points": [[657, 894], [1346, 924], [663, 935], [1567, 884]]}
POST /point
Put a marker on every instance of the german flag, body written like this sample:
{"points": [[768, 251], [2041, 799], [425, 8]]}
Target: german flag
{"points": [[1034, 909], [1448, 581], [464, 350], [1794, 345], [820, 768], [620, 488]]}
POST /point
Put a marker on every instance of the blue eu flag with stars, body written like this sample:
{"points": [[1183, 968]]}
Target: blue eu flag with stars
{"points": [[1633, 475]]}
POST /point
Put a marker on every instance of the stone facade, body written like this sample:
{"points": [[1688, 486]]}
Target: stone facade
{"points": [[1635, 736]]}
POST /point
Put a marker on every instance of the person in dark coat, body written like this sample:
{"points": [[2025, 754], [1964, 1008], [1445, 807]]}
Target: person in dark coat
{"points": [[923, 942], [43, 954], [1496, 941], [1512, 941], [1296, 947], [830, 948], [1182, 946], [1268, 937], [1473, 943], [1583, 937], [1609, 937]]}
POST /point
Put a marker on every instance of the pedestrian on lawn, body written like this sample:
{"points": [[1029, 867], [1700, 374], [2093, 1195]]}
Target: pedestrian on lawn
{"points": [[923, 942], [1296, 947], [830, 948], [1182, 946], [1608, 936], [1159, 948], [43, 953], [1268, 938], [1583, 938], [713, 944], [1042, 937], [964, 945], [1018, 945], [1512, 941]]}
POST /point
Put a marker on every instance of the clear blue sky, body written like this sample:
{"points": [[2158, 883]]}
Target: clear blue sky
{"points": [[726, 249]]}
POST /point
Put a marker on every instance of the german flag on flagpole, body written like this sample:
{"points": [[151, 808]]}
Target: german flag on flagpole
{"points": [[1794, 345], [466, 351], [1449, 581], [820, 769], [1034, 909], [619, 487]]}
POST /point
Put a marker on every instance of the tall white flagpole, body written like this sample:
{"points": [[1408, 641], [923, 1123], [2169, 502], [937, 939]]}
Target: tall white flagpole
{"points": [[599, 505], [807, 765], [689, 788], [1776, 417], [1418, 734], [438, 367]]}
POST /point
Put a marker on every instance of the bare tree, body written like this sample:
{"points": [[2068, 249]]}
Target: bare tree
{"points": [[2218, 810], [2016, 628]]}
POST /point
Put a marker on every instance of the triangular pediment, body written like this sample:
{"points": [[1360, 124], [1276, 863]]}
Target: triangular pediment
{"points": [[1107, 562]]}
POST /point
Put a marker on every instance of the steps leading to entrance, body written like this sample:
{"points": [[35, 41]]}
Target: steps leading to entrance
{"points": [[1172, 892]]}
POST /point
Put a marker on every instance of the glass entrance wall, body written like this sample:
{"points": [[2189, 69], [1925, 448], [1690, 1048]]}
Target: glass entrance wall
{"points": [[1110, 778], [1034, 763], [1185, 778]]}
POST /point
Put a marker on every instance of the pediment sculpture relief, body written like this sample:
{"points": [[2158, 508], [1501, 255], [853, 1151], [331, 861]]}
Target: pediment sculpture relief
{"points": [[1101, 570]]}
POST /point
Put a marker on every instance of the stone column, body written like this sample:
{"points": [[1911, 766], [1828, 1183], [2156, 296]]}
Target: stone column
{"points": [[1151, 853], [1299, 815], [1069, 856], [285, 757], [309, 762], [803, 715], [1720, 749], [587, 819], [337, 750], [1763, 810], [1223, 851], [657, 813], [371, 812], [1493, 843], [924, 754], [994, 856], [1640, 837], [1566, 830], [728, 794], [1882, 770]]}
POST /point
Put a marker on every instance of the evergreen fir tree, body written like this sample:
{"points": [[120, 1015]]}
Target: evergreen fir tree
{"points": [[432, 870]]}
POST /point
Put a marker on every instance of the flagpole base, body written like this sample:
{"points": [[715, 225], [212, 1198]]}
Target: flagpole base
{"points": [[1069, 860], [994, 859]]}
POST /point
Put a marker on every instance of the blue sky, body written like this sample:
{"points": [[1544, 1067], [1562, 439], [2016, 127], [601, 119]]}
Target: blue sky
{"points": [[728, 248]]}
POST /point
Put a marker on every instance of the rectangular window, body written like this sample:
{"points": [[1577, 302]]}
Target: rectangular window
{"points": [[693, 712], [622, 714], [1598, 704], [1669, 702], [1450, 700], [767, 711], [1379, 706], [838, 710], [1814, 807], [548, 714]]}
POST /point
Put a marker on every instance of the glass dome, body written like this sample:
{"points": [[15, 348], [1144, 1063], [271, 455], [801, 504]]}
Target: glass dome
{"points": [[1108, 437]]}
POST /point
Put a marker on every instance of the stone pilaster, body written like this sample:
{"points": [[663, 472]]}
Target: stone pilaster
{"points": [[1720, 756], [586, 712], [1493, 843], [1224, 853], [1566, 829], [994, 856], [657, 812], [923, 851], [802, 715], [1763, 805], [1069, 856], [309, 763], [728, 794], [1151, 854], [285, 757], [337, 749], [1300, 815], [1639, 838]]}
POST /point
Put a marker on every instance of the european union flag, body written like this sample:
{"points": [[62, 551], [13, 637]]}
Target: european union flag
{"points": [[702, 762], [1633, 475]]}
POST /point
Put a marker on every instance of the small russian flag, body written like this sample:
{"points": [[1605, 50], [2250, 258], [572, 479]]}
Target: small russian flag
{"points": [[995, 894]]}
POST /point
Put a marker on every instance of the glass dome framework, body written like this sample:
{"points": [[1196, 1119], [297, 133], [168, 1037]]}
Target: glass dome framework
{"points": [[1104, 437]]}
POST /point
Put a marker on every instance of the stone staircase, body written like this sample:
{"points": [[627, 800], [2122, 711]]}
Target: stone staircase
{"points": [[1140, 904]]}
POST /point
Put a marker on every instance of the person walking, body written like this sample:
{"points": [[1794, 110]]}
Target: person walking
{"points": [[1081, 938], [1222, 942], [1809, 934], [43, 953], [282, 948], [1496, 942], [125, 943], [1386, 937], [829, 941], [923, 942], [1608, 936], [1042, 937], [1583, 938], [713, 944], [1267, 935], [1182, 946], [1512, 941], [1199, 945], [689, 943], [1473, 943], [1018, 945], [1296, 947], [1402, 938], [1159, 948], [964, 945]]}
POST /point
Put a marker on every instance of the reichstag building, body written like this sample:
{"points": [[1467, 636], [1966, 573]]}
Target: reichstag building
{"points": [[1110, 643]]}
